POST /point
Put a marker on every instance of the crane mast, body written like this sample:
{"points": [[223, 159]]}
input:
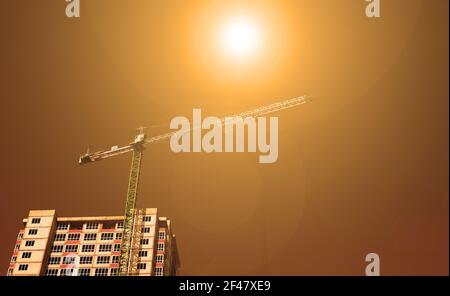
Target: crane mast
{"points": [[129, 247], [130, 235]]}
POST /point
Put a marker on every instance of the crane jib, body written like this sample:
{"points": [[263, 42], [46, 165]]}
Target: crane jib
{"points": [[130, 243]]}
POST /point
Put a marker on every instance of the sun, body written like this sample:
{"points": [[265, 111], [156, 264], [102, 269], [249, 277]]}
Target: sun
{"points": [[241, 37]]}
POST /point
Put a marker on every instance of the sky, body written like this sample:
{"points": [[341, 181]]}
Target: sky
{"points": [[362, 168]]}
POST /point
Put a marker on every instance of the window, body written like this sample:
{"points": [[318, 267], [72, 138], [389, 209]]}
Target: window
{"points": [[114, 271], [158, 271], [142, 266], [84, 271], [20, 236], [92, 226], [101, 271], [67, 272], [116, 247], [144, 241], [35, 220], [13, 259], [119, 235], [119, 225], [73, 237], [16, 247], [51, 272], [23, 267], [115, 259], [62, 226], [105, 248], [76, 227], [160, 247], [109, 225], [146, 229], [147, 218], [87, 248], [57, 248], [143, 253], [32, 231], [60, 237], [90, 236], [26, 255], [86, 260], [161, 235], [54, 260], [103, 259], [10, 271], [69, 260], [107, 236], [71, 248], [29, 243], [159, 258]]}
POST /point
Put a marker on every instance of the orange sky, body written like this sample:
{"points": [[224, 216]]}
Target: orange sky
{"points": [[363, 168]]}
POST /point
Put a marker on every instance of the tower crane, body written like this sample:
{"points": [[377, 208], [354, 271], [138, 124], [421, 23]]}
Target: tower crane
{"points": [[129, 244]]}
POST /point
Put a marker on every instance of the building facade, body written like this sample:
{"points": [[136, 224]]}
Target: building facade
{"points": [[49, 245]]}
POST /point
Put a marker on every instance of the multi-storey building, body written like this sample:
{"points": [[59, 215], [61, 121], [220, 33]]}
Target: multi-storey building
{"points": [[90, 246]]}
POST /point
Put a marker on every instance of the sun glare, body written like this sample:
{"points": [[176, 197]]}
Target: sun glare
{"points": [[241, 37]]}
